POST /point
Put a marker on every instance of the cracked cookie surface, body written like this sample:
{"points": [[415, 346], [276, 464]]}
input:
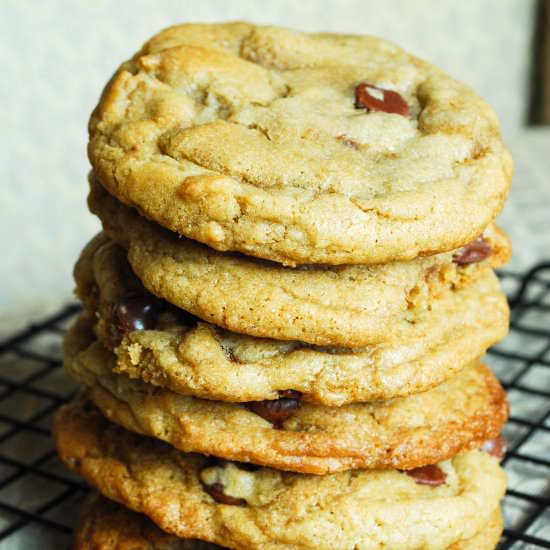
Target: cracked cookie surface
{"points": [[402, 433], [355, 509], [350, 306], [250, 138], [196, 358]]}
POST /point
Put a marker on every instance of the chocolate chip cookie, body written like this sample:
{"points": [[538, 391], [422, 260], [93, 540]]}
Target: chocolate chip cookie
{"points": [[107, 525], [168, 347], [192, 496], [350, 306], [292, 435], [299, 148]]}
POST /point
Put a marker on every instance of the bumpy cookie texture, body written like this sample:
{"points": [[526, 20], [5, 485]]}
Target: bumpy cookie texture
{"points": [[402, 433], [487, 539], [378, 509], [248, 138], [105, 525], [200, 359], [348, 306]]}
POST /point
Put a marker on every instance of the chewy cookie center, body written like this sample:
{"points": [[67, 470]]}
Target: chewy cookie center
{"points": [[255, 488]]}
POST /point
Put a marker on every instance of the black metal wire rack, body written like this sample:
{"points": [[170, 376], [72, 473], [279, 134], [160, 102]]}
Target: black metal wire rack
{"points": [[39, 498]]}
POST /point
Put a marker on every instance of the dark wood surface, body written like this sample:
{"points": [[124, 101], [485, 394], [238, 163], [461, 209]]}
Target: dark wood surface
{"points": [[539, 110]]}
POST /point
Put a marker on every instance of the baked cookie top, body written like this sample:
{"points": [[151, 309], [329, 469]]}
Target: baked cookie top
{"points": [[106, 525], [351, 305], [168, 347], [299, 148], [264, 508], [285, 433]]}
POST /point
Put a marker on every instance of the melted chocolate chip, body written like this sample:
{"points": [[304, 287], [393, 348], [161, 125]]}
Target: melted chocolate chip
{"points": [[474, 252], [216, 492], [144, 311], [431, 475], [495, 447], [371, 97], [135, 313], [231, 356], [276, 411]]}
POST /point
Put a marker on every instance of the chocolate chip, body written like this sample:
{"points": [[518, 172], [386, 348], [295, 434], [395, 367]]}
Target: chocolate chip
{"points": [[371, 97], [216, 492], [231, 356], [495, 447], [431, 475], [143, 311], [135, 312], [474, 252], [276, 411]]}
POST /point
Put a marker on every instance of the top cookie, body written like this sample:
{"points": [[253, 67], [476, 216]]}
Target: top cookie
{"points": [[299, 148]]}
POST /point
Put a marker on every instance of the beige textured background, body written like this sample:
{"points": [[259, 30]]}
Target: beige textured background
{"points": [[56, 55]]}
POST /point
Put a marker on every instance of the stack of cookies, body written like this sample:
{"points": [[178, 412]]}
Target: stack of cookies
{"points": [[285, 312]]}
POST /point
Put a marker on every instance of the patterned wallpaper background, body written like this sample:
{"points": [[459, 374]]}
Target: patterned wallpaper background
{"points": [[56, 55]]}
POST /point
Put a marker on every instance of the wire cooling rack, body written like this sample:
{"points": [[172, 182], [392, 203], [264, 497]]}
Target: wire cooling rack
{"points": [[39, 499]]}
